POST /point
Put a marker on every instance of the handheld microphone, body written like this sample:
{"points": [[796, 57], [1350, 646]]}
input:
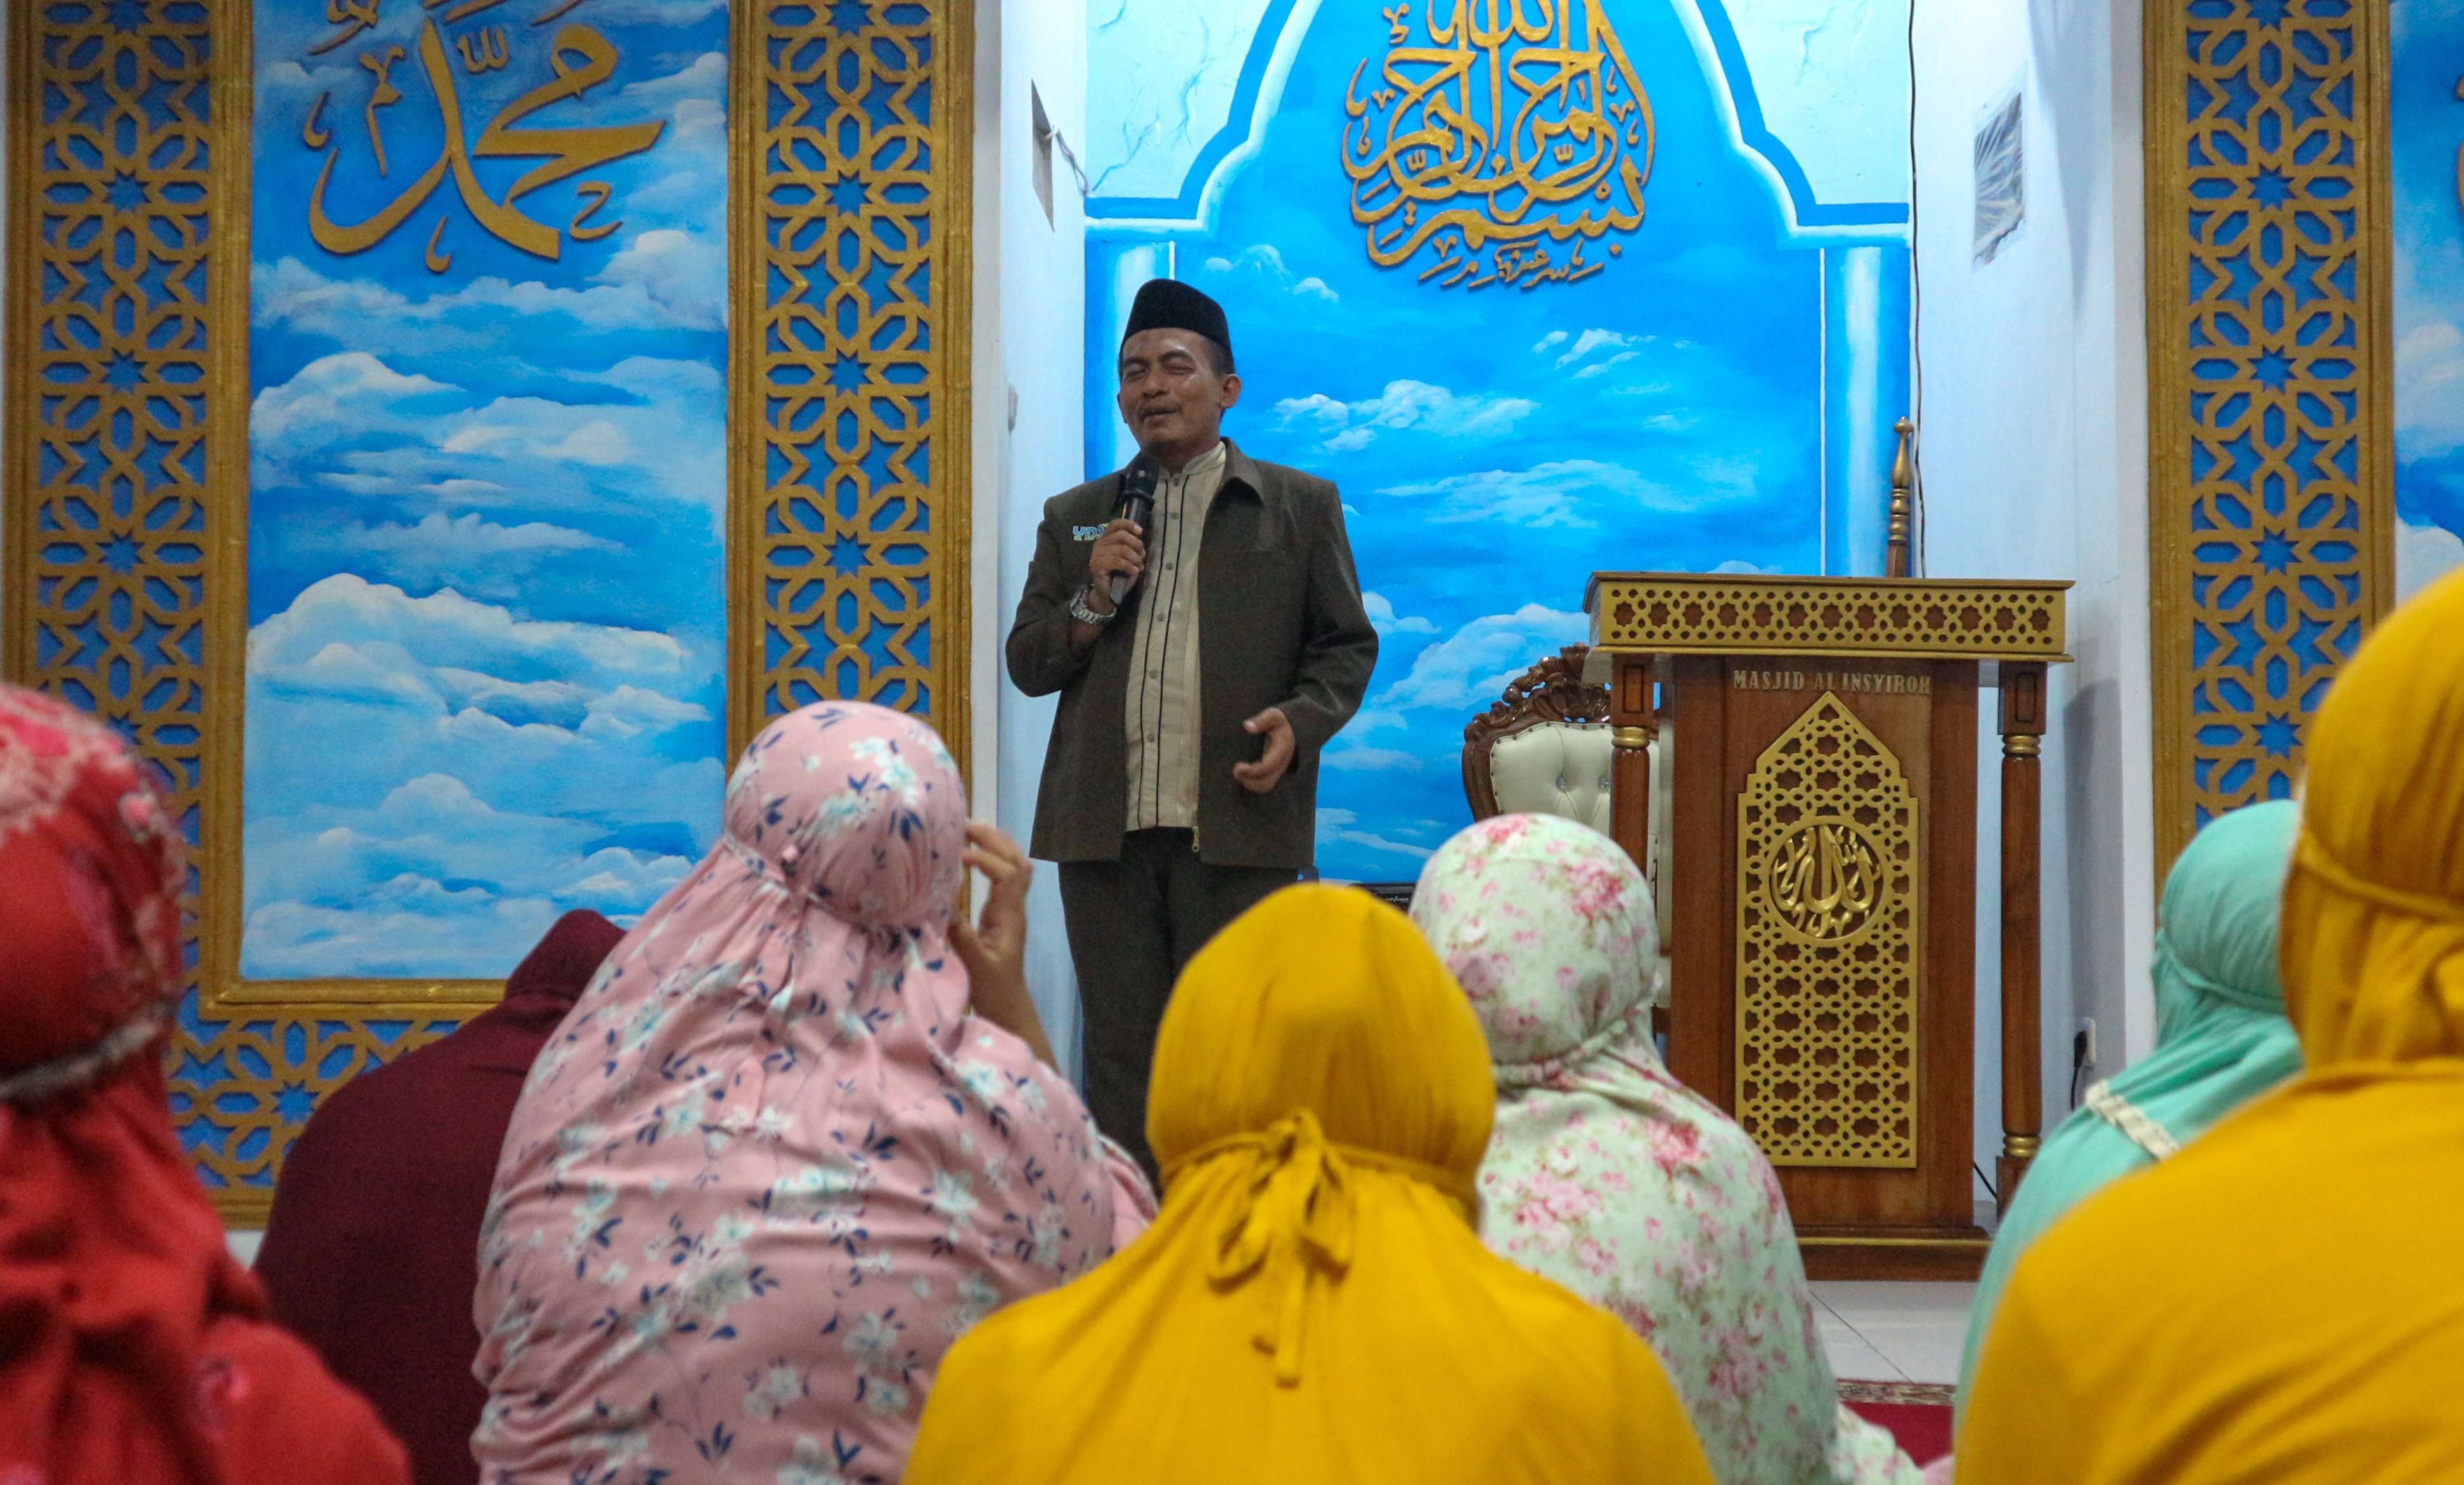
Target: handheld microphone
{"points": [[1136, 503]]}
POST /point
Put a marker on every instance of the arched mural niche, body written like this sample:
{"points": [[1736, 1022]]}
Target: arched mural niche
{"points": [[1678, 342]]}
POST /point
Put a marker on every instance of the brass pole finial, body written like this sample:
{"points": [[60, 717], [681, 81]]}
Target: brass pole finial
{"points": [[1902, 491]]}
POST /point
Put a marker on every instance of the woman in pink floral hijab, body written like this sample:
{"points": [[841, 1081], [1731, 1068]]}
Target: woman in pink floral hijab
{"points": [[1610, 1176], [771, 1165]]}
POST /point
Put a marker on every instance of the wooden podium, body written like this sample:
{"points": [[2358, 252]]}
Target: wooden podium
{"points": [[1823, 737]]}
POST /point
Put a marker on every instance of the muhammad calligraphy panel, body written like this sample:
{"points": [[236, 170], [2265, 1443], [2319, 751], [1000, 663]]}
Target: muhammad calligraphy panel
{"points": [[2426, 107], [485, 669]]}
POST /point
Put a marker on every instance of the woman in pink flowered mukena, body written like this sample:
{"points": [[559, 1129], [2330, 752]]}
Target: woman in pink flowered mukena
{"points": [[1610, 1176], [783, 1151]]}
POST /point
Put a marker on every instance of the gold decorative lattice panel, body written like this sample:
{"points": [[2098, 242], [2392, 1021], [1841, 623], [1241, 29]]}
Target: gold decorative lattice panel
{"points": [[1904, 618], [126, 443], [125, 497], [2271, 510], [1829, 860], [852, 219]]}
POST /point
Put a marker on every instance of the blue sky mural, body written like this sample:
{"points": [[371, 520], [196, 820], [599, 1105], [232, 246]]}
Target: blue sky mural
{"points": [[486, 487], [1678, 403], [2427, 102]]}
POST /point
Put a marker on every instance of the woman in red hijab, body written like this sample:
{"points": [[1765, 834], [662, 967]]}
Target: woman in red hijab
{"points": [[133, 1349]]}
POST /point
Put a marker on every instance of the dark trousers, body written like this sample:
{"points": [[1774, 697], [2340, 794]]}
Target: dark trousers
{"points": [[1134, 924]]}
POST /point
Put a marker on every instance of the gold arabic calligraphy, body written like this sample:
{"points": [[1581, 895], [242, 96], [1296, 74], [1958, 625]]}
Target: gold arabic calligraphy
{"points": [[1826, 879], [1516, 124], [578, 59]]}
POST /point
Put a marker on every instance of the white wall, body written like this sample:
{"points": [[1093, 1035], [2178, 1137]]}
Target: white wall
{"points": [[1030, 314], [2036, 465]]}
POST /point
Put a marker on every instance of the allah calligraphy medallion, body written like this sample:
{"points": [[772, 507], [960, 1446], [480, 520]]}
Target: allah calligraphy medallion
{"points": [[1825, 879], [1829, 862], [1500, 143]]}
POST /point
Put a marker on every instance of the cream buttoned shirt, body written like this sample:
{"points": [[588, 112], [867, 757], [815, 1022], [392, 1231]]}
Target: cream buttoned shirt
{"points": [[1162, 714]]}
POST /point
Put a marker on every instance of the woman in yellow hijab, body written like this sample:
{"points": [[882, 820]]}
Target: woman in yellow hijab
{"points": [[2283, 1301], [1313, 1303]]}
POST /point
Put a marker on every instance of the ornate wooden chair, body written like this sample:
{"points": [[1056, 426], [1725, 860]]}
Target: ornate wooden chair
{"points": [[1543, 748]]}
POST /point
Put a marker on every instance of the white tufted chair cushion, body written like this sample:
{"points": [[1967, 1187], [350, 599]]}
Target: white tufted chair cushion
{"points": [[1557, 768], [1564, 768]]}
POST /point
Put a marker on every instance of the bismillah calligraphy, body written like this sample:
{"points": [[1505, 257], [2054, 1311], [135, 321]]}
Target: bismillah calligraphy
{"points": [[1506, 139]]}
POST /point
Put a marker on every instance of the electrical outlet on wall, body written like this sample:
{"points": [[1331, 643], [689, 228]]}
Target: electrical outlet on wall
{"points": [[2087, 1041]]}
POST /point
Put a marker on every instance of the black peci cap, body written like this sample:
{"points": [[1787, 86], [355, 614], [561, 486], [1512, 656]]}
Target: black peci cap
{"points": [[1169, 304]]}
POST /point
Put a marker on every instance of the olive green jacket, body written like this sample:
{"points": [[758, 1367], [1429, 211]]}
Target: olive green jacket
{"points": [[1283, 625]]}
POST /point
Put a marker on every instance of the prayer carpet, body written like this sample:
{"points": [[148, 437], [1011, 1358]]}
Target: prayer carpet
{"points": [[1918, 1413]]}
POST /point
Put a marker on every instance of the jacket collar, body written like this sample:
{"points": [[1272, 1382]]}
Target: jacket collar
{"points": [[1238, 466]]}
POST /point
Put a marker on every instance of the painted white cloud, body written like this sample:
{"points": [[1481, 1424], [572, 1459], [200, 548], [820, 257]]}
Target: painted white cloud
{"points": [[393, 933], [446, 628], [537, 427], [1467, 670], [451, 775], [1383, 618], [629, 711], [1363, 759], [2423, 555], [1344, 825], [348, 391], [1604, 367], [438, 545], [1574, 493], [684, 273], [652, 378], [1404, 405], [641, 294], [705, 76], [1591, 340], [660, 433], [691, 154], [2430, 368], [1263, 263]]}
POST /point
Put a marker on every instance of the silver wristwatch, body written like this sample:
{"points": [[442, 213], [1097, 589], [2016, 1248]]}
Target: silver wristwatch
{"points": [[1084, 614]]}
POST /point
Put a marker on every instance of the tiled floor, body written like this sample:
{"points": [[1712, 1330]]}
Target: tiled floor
{"points": [[1893, 1332]]}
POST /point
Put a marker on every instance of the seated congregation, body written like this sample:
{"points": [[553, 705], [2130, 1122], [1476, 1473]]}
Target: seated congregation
{"points": [[783, 1186]]}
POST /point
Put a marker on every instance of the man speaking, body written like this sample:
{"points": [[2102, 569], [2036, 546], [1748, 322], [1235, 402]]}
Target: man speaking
{"points": [[1199, 616]]}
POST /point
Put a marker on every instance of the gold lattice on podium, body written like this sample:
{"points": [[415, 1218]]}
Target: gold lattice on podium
{"points": [[1828, 861], [1670, 612]]}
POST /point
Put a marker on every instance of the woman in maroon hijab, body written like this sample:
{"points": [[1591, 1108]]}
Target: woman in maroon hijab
{"points": [[133, 1350], [372, 1249]]}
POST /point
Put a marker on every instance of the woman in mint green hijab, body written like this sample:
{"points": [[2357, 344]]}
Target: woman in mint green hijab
{"points": [[2222, 1038]]}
